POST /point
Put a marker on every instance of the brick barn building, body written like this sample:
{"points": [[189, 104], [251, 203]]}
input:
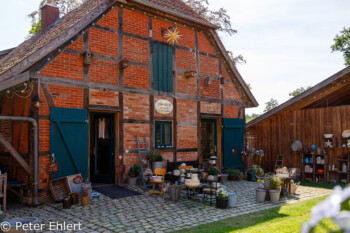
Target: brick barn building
{"points": [[104, 74]]}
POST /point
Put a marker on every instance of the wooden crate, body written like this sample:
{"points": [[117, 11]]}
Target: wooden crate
{"points": [[59, 188]]}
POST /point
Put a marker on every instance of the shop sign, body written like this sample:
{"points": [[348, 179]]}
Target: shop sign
{"points": [[164, 106]]}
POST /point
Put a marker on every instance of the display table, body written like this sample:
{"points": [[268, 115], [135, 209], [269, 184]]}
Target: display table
{"points": [[192, 190]]}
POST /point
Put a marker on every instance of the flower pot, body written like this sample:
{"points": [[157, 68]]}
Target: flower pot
{"points": [[132, 181], [260, 195], [275, 196], [66, 202], [156, 164], [232, 199], [85, 200], [221, 203], [74, 198]]}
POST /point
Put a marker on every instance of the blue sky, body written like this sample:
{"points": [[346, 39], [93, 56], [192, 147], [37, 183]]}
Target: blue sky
{"points": [[286, 42]]}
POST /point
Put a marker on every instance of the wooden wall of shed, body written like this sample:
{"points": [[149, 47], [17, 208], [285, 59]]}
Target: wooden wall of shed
{"points": [[276, 134]]}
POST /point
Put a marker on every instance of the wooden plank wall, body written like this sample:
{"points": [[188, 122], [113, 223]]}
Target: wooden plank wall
{"points": [[276, 134]]}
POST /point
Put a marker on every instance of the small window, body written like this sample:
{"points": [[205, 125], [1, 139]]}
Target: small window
{"points": [[163, 134]]}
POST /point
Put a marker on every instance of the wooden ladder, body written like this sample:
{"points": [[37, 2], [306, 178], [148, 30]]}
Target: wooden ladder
{"points": [[141, 151], [279, 162]]}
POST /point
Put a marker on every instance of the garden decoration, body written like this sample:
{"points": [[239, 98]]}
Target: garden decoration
{"points": [[257, 155], [336, 207], [221, 198], [173, 36], [260, 191], [275, 189], [156, 158]]}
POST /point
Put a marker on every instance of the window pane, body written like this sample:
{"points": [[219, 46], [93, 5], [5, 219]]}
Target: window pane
{"points": [[158, 139], [167, 140], [167, 128], [158, 128]]}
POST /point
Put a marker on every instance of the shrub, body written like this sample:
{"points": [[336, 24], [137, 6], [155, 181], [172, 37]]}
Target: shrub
{"points": [[234, 173], [275, 182], [155, 156], [134, 170], [213, 171]]}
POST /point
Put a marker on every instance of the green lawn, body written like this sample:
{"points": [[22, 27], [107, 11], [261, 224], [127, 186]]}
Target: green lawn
{"points": [[287, 218]]}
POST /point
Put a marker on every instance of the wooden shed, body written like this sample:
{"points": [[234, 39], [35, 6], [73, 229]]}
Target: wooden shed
{"points": [[323, 109]]}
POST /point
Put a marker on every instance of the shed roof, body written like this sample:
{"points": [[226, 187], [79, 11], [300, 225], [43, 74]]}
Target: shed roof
{"points": [[332, 91]]}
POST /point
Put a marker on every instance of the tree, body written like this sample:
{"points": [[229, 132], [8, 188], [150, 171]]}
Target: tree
{"points": [[249, 118], [270, 105], [342, 44], [219, 18], [298, 91], [64, 5]]}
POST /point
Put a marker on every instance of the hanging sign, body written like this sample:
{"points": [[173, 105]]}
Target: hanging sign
{"points": [[164, 106]]}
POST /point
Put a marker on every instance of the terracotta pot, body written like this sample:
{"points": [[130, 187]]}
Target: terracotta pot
{"points": [[132, 181], [260, 195], [275, 196], [85, 200]]}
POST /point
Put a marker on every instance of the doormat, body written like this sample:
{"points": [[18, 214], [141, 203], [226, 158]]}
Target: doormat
{"points": [[116, 192]]}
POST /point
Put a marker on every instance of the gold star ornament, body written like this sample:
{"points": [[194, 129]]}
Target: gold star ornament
{"points": [[173, 37]]}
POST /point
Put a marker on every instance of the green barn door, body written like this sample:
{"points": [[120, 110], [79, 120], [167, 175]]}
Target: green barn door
{"points": [[233, 140], [69, 140], [162, 67]]}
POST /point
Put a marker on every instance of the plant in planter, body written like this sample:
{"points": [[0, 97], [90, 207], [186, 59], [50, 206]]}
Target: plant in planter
{"points": [[84, 195], [213, 172], [255, 170], [133, 173], [275, 189], [221, 199], [267, 178], [260, 191], [156, 158], [234, 174]]}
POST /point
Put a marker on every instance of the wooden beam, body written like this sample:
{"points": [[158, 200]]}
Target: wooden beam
{"points": [[11, 82], [15, 154], [47, 94], [121, 43]]}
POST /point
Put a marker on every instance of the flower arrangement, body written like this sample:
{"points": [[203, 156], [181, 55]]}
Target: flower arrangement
{"points": [[221, 194], [336, 207], [275, 183]]}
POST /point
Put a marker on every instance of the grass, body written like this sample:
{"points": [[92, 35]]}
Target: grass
{"points": [[288, 218], [321, 184]]}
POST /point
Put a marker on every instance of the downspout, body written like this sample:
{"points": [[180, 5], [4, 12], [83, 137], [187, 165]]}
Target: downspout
{"points": [[36, 150]]}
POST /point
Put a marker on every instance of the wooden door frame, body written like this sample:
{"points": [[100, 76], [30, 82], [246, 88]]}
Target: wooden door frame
{"points": [[116, 143]]}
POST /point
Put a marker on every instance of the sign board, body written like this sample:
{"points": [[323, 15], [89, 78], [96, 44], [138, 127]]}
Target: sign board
{"points": [[164, 106]]}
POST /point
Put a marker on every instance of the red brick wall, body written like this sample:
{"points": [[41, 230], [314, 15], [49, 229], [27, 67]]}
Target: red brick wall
{"points": [[44, 135], [136, 76], [110, 20], [131, 131], [103, 42], [78, 44], [204, 44], [136, 106], [211, 90], [185, 60], [213, 108], [104, 71], [135, 49], [187, 156], [100, 97], [187, 136], [209, 65], [187, 111], [135, 23], [231, 111], [186, 85], [157, 25], [43, 174], [67, 97]]}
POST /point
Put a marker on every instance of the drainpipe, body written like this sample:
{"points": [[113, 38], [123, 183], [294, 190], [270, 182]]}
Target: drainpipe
{"points": [[36, 150]]}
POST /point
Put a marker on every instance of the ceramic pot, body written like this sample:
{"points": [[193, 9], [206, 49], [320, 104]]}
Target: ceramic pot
{"points": [[156, 164], [66, 202], [260, 195], [221, 203], [85, 200], [275, 196], [74, 197], [232, 199], [132, 181]]}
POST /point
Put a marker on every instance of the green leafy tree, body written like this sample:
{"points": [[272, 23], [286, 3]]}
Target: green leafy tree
{"points": [[271, 105], [219, 18], [251, 117], [64, 5], [298, 91], [342, 44]]}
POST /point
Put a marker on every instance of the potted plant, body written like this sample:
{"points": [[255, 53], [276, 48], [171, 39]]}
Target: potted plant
{"points": [[275, 189], [234, 174], [260, 191], [157, 160], [84, 195], [267, 178], [255, 170], [213, 172], [221, 199], [133, 173]]}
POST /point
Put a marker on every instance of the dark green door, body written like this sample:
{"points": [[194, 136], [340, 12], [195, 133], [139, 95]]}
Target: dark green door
{"points": [[233, 140], [102, 147], [162, 67], [69, 140]]}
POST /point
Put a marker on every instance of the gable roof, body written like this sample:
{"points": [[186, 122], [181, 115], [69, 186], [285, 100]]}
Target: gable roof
{"points": [[36, 48], [327, 83]]}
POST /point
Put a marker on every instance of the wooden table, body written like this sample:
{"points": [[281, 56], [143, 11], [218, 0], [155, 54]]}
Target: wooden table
{"points": [[286, 182]]}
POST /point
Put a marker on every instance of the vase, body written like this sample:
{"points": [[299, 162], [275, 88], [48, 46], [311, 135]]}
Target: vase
{"points": [[156, 164], [132, 181], [85, 200], [275, 196], [221, 203], [260, 195]]}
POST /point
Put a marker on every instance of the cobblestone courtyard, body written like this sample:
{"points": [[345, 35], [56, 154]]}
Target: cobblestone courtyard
{"points": [[145, 213]]}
